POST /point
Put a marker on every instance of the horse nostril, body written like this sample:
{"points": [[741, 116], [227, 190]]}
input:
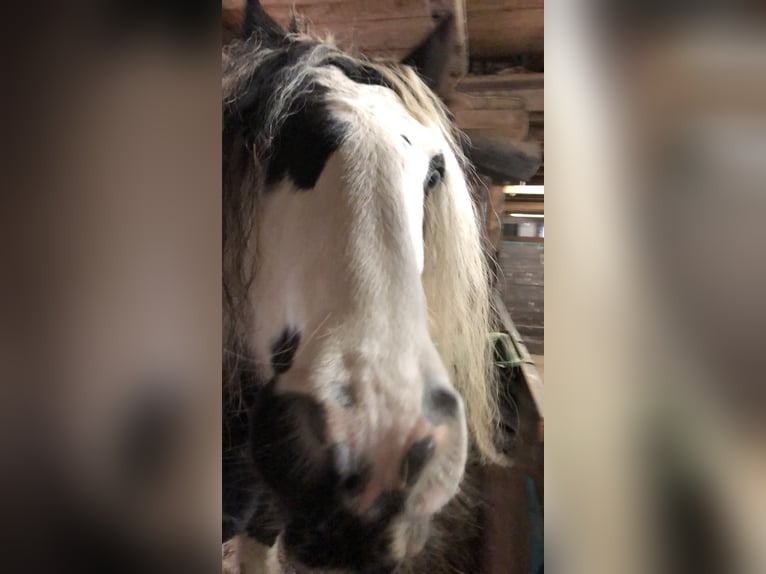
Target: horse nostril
{"points": [[440, 404], [355, 482], [416, 459]]}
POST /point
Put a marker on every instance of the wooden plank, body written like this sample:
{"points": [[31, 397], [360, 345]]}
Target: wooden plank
{"points": [[506, 528], [502, 81], [384, 34], [531, 377], [519, 239], [533, 99], [523, 206], [268, 3], [386, 29], [527, 87], [505, 33], [479, 5], [482, 101], [501, 116], [377, 36], [343, 12], [458, 65], [511, 124], [379, 28]]}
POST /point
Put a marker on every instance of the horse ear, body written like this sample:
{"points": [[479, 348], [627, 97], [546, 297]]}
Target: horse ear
{"points": [[243, 18], [431, 57], [257, 21]]}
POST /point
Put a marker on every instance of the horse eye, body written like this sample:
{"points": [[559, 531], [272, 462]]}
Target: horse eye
{"points": [[435, 173], [433, 179]]}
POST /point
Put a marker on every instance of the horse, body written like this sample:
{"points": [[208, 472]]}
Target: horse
{"points": [[357, 380]]}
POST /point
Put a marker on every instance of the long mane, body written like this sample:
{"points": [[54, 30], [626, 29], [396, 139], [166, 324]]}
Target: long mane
{"points": [[259, 93]]}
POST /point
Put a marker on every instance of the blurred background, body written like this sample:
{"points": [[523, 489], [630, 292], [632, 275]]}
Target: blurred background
{"points": [[655, 326], [111, 329]]}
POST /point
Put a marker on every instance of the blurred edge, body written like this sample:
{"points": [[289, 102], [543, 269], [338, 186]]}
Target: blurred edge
{"points": [[655, 208], [110, 314]]}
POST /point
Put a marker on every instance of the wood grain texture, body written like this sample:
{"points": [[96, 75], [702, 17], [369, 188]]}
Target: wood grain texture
{"points": [[479, 5], [527, 87], [511, 124], [345, 11], [523, 290], [459, 56], [504, 33], [523, 206], [386, 29]]}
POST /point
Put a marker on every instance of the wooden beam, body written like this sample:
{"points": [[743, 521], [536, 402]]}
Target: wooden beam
{"points": [[521, 239], [503, 159], [385, 34], [458, 66], [346, 11], [377, 28], [504, 33], [478, 5], [378, 36], [511, 124], [528, 367], [381, 28], [523, 206], [500, 116], [503, 82], [527, 87]]}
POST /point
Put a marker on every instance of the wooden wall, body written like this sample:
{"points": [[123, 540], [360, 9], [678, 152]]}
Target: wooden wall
{"points": [[523, 290], [504, 28]]}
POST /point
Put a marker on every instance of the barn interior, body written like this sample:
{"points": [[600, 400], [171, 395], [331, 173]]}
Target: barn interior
{"points": [[492, 81]]}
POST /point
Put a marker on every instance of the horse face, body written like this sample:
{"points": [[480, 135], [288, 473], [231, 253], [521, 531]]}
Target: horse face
{"points": [[358, 432]]}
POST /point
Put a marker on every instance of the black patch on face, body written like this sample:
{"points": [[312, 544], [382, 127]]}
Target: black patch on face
{"points": [[341, 540], [312, 482], [283, 350], [304, 144], [416, 459], [440, 404], [313, 416], [289, 450], [303, 139], [405, 138]]}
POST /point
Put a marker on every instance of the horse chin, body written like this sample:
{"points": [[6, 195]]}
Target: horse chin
{"points": [[288, 564], [408, 538]]}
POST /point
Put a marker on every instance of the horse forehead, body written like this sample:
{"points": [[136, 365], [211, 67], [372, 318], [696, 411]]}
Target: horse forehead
{"points": [[377, 103]]}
